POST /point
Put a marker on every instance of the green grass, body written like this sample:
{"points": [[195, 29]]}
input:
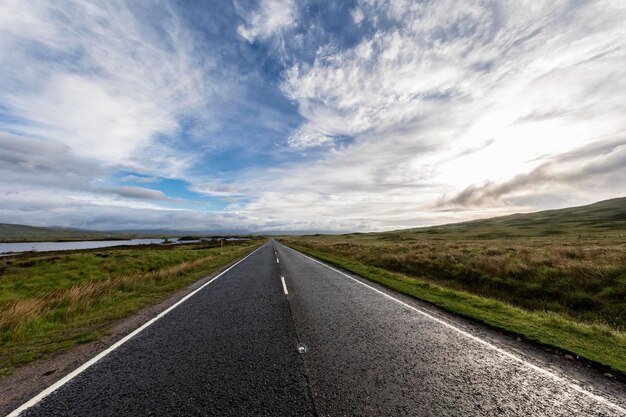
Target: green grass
{"points": [[53, 301], [595, 342], [584, 279]]}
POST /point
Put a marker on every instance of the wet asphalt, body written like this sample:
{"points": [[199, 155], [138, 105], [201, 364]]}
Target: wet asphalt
{"points": [[231, 349]]}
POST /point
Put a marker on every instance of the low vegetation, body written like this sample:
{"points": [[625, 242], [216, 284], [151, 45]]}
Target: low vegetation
{"points": [[52, 301], [557, 277]]}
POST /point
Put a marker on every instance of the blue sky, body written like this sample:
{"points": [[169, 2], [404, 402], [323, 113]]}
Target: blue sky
{"points": [[308, 115]]}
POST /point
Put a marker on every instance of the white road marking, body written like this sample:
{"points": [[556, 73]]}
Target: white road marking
{"points": [[43, 394], [284, 285], [277, 261], [509, 355]]}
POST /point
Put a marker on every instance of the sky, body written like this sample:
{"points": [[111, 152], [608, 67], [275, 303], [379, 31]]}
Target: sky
{"points": [[284, 115]]}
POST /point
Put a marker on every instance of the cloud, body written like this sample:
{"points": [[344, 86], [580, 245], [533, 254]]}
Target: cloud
{"points": [[136, 178], [45, 209], [599, 166], [307, 137], [475, 100], [365, 115], [461, 59], [216, 189], [271, 17], [137, 192], [357, 15], [476, 148], [25, 161], [108, 84]]}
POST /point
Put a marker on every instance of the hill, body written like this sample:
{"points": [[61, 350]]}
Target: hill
{"points": [[23, 233], [604, 216]]}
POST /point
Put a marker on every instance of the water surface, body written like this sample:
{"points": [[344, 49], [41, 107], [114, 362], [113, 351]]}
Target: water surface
{"points": [[86, 244]]}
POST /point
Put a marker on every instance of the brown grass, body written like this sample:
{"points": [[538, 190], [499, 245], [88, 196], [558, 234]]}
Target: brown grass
{"points": [[583, 278], [81, 296]]}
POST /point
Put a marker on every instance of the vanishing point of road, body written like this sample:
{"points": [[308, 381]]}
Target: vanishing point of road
{"points": [[280, 334]]}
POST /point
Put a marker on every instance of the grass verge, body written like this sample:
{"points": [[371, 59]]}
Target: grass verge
{"points": [[53, 301], [595, 342]]}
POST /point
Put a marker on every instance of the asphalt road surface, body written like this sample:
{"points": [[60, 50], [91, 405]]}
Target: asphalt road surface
{"points": [[233, 348]]}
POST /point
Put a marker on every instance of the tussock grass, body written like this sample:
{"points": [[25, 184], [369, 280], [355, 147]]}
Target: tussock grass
{"points": [[584, 279], [54, 301], [82, 296]]}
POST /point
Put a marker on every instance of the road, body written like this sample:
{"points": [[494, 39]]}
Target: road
{"points": [[231, 348]]}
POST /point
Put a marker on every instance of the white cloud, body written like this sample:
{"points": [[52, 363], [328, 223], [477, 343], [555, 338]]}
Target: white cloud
{"points": [[45, 208], [533, 81], [308, 137], [90, 89], [453, 110], [357, 15], [216, 189], [85, 115], [270, 18], [108, 86]]}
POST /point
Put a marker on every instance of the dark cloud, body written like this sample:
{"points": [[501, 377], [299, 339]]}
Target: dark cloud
{"points": [[29, 161], [491, 192], [599, 164], [137, 192], [472, 150], [545, 114]]}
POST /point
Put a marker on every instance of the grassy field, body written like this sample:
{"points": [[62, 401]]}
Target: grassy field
{"points": [[52, 301], [557, 277]]}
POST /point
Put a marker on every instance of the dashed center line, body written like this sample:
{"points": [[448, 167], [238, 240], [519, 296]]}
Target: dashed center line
{"points": [[284, 285], [277, 261]]}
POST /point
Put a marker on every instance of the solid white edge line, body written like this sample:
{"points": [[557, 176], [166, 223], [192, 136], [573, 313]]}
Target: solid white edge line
{"points": [[284, 285], [543, 371], [43, 394]]}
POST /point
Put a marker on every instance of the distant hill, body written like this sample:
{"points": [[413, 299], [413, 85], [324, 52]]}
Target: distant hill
{"points": [[604, 216], [23, 233]]}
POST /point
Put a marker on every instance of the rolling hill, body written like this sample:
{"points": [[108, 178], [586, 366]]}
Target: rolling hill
{"points": [[604, 216], [24, 233]]}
